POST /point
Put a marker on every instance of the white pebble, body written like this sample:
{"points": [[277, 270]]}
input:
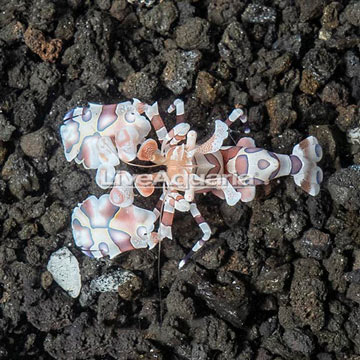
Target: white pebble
{"points": [[65, 270]]}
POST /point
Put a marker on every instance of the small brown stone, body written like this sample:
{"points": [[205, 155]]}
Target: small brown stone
{"points": [[325, 135], [128, 289], [48, 50], [330, 17], [38, 143], [208, 88], [349, 117], [32, 145], [211, 258], [308, 84], [193, 34], [280, 65], [181, 66], [335, 93], [161, 17], [28, 231], [310, 10], [119, 9], [281, 114], [46, 280], [238, 263]]}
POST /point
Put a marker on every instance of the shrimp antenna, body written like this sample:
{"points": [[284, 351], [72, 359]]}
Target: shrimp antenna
{"points": [[139, 165], [232, 138], [165, 192], [155, 165], [73, 117]]}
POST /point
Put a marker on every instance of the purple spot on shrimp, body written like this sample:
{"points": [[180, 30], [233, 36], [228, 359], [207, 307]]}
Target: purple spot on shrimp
{"points": [[253, 150], [263, 164], [296, 164], [82, 235], [318, 150], [241, 164], [121, 239], [107, 117], [104, 249], [86, 116], [99, 211]]}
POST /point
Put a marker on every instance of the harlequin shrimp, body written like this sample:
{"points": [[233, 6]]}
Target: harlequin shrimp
{"points": [[229, 172], [99, 136]]}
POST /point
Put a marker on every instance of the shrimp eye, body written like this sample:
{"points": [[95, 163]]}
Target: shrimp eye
{"points": [[130, 116], [141, 231]]}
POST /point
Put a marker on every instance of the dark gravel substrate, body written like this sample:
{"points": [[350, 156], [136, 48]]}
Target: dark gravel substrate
{"points": [[280, 279]]}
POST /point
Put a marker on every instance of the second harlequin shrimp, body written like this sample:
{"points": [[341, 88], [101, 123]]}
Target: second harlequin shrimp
{"points": [[111, 224], [229, 172]]}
